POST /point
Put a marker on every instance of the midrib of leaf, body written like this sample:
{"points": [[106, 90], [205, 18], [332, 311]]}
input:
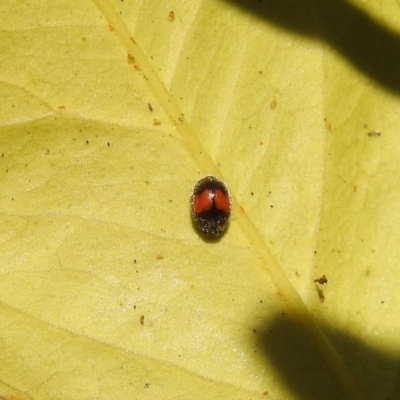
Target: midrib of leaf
{"points": [[292, 299]]}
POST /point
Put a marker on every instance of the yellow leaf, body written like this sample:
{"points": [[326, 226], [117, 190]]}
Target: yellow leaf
{"points": [[110, 113]]}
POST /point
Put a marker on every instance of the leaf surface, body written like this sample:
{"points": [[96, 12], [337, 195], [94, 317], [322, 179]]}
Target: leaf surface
{"points": [[111, 111]]}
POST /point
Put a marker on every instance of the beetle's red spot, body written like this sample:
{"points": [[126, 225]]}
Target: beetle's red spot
{"points": [[222, 201], [203, 201]]}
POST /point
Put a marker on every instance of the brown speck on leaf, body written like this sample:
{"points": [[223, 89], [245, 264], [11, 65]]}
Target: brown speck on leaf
{"points": [[373, 134], [273, 104], [156, 122], [171, 16], [322, 280], [328, 125], [131, 59], [159, 257], [111, 28], [142, 320], [133, 40], [150, 107], [61, 107]]}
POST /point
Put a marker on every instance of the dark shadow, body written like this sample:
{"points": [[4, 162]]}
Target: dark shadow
{"points": [[368, 45], [299, 364]]}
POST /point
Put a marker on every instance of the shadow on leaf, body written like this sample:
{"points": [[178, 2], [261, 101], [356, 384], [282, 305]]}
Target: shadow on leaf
{"points": [[298, 362], [367, 44]]}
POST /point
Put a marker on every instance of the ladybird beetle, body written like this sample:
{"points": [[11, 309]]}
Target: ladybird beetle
{"points": [[211, 205]]}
